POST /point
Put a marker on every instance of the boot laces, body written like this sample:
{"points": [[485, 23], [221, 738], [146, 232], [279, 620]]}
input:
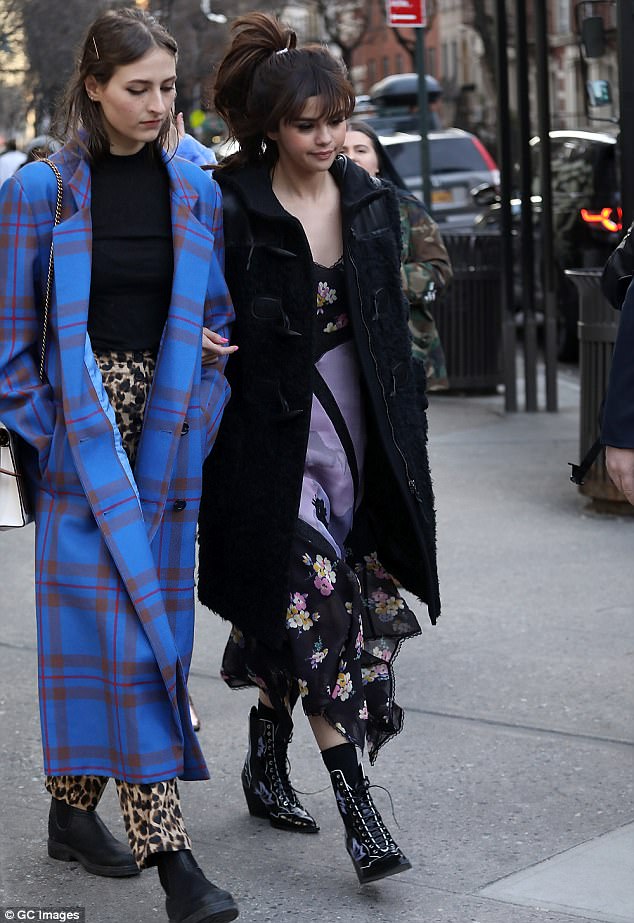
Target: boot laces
{"points": [[370, 816]]}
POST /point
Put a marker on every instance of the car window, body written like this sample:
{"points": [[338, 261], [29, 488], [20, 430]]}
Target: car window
{"points": [[447, 155], [581, 167]]}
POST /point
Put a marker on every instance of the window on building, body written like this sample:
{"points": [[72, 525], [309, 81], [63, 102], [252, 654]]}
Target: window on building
{"points": [[430, 55], [562, 16], [386, 66], [444, 60], [371, 71], [398, 63]]}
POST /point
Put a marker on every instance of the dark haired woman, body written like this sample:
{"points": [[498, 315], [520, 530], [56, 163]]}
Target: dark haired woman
{"points": [[319, 480], [117, 430], [426, 269]]}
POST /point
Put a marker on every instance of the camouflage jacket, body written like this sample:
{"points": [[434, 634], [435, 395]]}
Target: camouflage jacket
{"points": [[425, 271]]}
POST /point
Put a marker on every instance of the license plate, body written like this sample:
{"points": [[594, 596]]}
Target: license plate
{"points": [[441, 196]]}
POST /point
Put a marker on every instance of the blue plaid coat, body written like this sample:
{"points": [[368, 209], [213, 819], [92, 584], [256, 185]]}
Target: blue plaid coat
{"points": [[114, 553]]}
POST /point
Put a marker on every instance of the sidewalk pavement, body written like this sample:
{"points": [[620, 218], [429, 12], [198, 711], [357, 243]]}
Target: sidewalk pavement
{"points": [[512, 780]]}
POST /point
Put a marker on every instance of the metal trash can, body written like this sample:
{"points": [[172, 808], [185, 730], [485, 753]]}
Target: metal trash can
{"points": [[468, 314], [597, 328]]}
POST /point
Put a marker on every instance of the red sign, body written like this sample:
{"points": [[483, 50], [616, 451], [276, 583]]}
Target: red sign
{"points": [[407, 13]]}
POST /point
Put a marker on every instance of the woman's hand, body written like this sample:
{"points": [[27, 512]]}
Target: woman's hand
{"points": [[177, 131], [620, 465], [214, 347]]}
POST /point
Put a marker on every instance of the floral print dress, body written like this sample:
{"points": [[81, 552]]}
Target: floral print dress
{"points": [[345, 618]]}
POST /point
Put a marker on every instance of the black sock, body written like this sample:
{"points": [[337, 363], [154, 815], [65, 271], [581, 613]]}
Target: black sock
{"points": [[269, 714], [344, 758]]}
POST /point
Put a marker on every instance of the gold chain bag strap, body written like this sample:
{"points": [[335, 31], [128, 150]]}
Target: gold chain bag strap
{"points": [[15, 510]]}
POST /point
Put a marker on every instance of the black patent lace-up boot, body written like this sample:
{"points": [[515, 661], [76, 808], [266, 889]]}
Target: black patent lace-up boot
{"points": [[265, 780], [189, 896], [369, 843]]}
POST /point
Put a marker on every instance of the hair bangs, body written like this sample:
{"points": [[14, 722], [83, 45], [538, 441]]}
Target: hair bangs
{"points": [[312, 80]]}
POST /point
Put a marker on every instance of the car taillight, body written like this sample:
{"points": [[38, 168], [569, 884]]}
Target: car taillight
{"points": [[489, 161], [610, 219]]}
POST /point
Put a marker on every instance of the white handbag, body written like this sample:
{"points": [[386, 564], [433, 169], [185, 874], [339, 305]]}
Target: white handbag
{"points": [[15, 509]]}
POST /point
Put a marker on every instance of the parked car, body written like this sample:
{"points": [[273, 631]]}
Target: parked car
{"points": [[458, 163], [586, 216]]}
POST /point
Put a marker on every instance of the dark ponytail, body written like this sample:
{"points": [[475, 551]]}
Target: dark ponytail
{"points": [[265, 79]]}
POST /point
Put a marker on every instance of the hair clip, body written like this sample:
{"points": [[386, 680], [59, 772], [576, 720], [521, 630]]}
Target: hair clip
{"points": [[282, 51], [96, 50]]}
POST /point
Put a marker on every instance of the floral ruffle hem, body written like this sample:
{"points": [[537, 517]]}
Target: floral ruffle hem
{"points": [[345, 624]]}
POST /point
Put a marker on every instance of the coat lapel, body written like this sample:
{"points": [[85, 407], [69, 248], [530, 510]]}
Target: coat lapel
{"points": [[179, 353]]}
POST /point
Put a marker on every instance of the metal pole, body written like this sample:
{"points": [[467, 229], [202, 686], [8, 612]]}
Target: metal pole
{"points": [[526, 220], [423, 119], [548, 264], [506, 229], [625, 41]]}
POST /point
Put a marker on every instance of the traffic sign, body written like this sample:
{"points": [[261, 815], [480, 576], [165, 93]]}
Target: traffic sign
{"points": [[410, 13]]}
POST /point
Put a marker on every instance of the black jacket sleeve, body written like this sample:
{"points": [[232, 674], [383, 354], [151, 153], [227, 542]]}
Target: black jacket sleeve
{"points": [[618, 412]]}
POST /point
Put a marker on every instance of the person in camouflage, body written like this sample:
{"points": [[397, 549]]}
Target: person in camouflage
{"points": [[425, 265]]}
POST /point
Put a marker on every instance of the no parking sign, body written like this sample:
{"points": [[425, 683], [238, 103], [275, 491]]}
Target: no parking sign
{"points": [[410, 13]]}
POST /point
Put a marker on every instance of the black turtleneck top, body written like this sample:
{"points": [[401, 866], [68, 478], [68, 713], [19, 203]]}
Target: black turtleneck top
{"points": [[132, 252]]}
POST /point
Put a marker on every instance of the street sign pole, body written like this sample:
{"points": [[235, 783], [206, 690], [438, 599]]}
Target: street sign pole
{"points": [[509, 331], [625, 37], [412, 14], [547, 241], [423, 120]]}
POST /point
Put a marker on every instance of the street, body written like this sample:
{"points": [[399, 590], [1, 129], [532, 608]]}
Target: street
{"points": [[518, 742]]}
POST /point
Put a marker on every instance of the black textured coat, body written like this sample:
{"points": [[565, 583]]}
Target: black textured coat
{"points": [[253, 477], [618, 409]]}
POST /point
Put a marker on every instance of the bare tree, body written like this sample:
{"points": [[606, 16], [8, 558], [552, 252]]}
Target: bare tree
{"points": [[484, 24], [46, 37], [201, 29], [345, 23], [199, 43], [10, 22]]}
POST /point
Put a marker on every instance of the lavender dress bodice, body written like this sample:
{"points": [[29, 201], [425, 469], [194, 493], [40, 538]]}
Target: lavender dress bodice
{"points": [[333, 472]]}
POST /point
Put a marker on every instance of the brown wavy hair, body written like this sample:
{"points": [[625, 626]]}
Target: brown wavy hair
{"points": [[115, 38], [264, 79]]}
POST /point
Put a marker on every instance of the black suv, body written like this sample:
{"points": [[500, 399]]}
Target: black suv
{"points": [[586, 215], [458, 163]]}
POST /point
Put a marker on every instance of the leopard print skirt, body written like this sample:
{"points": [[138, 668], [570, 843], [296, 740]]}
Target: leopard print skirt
{"points": [[151, 812]]}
